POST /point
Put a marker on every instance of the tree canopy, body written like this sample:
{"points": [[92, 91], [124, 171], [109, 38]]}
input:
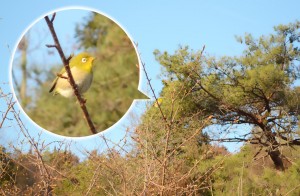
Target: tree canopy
{"points": [[257, 88]]}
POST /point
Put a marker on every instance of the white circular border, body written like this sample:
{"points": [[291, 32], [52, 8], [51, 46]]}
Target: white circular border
{"points": [[140, 73]]}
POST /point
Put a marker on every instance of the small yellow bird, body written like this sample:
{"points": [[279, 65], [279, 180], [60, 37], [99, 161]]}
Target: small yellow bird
{"points": [[158, 102], [82, 71]]}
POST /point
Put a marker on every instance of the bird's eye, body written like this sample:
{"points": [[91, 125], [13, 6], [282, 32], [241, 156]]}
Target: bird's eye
{"points": [[83, 60]]}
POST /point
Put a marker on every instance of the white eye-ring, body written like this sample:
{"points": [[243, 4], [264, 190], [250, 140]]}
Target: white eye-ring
{"points": [[83, 60]]}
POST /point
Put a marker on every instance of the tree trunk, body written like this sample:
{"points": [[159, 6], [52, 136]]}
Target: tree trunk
{"points": [[277, 159], [274, 151], [23, 87]]}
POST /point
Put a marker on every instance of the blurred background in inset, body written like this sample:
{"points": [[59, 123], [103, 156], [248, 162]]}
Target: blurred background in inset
{"points": [[116, 74]]}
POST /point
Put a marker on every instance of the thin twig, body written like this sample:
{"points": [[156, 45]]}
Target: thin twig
{"points": [[152, 90], [165, 162], [292, 189], [53, 17], [165, 158], [68, 70], [10, 105]]}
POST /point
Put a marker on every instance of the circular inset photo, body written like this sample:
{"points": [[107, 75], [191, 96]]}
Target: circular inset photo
{"points": [[99, 55]]}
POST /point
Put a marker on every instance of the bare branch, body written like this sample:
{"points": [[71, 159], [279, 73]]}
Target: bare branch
{"points": [[53, 17], [10, 105], [70, 76], [51, 46]]}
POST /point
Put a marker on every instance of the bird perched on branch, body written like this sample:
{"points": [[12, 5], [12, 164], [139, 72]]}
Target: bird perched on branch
{"points": [[82, 71], [159, 102]]}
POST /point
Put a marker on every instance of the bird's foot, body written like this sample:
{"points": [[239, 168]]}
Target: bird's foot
{"points": [[61, 76]]}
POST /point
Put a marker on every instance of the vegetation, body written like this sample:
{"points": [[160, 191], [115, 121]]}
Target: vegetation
{"points": [[170, 151], [255, 88]]}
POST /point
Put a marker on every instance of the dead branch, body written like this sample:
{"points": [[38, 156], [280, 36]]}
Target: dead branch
{"points": [[10, 105]]}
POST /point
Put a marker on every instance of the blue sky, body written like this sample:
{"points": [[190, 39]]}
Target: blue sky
{"points": [[162, 25]]}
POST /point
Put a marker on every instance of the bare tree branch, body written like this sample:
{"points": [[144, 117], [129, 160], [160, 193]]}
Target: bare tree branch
{"points": [[68, 70]]}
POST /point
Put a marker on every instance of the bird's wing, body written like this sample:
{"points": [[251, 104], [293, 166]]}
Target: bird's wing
{"points": [[62, 71], [53, 84]]}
